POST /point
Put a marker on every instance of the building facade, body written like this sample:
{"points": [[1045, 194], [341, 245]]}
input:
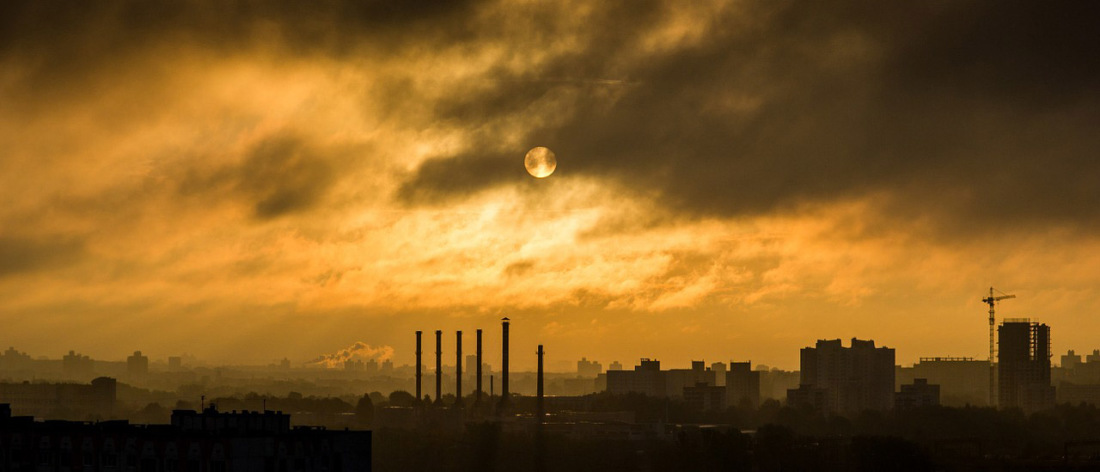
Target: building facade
{"points": [[855, 378], [1023, 365]]}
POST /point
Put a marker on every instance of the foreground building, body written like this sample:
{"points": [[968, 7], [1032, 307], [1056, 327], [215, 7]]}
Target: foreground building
{"points": [[207, 441]]}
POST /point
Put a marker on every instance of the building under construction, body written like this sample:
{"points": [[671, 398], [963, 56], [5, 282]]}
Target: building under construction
{"points": [[1023, 365]]}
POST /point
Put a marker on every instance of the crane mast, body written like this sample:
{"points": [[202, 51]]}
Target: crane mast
{"points": [[992, 300]]}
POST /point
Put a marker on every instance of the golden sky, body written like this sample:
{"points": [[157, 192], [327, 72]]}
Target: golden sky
{"points": [[246, 181]]}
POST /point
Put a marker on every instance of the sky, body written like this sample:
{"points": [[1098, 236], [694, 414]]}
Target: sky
{"points": [[252, 180]]}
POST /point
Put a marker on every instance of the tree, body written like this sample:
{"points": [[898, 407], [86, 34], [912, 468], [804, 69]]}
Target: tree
{"points": [[402, 398], [364, 412]]}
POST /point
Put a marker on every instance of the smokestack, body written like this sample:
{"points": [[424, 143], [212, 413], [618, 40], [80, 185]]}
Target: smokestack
{"points": [[540, 439], [418, 364], [540, 411], [438, 365], [458, 368], [504, 363], [477, 396]]}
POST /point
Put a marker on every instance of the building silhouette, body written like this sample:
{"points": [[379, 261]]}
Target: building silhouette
{"points": [[75, 365], [742, 385], [845, 380], [588, 369], [61, 400], [720, 370], [703, 397], [954, 375], [12, 359], [1023, 365], [917, 394], [137, 364], [1078, 382], [208, 441], [676, 380], [646, 378]]}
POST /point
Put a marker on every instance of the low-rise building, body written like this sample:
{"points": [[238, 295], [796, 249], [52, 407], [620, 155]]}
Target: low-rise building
{"points": [[917, 394]]}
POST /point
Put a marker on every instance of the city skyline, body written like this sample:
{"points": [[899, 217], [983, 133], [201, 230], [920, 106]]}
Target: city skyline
{"points": [[733, 180]]}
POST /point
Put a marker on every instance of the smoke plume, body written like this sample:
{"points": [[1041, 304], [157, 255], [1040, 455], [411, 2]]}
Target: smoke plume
{"points": [[360, 351]]}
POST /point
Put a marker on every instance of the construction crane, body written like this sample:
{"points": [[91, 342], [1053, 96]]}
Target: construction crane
{"points": [[992, 300]]}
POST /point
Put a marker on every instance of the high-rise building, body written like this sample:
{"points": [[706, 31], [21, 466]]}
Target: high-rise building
{"points": [[856, 378], [137, 364], [646, 378], [1094, 357], [588, 369], [73, 364], [719, 369], [742, 384], [1071, 360], [1023, 365], [676, 380]]}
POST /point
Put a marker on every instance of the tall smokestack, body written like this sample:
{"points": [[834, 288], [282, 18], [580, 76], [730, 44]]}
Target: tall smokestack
{"points": [[540, 439], [438, 365], [504, 362], [458, 368], [477, 396], [540, 411], [418, 364]]}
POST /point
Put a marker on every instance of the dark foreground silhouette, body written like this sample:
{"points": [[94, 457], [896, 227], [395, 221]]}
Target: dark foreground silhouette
{"points": [[769, 438]]}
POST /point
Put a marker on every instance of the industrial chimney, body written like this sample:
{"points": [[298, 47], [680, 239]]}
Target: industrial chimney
{"points": [[504, 362], [458, 368], [438, 365], [419, 396], [477, 396], [541, 411]]}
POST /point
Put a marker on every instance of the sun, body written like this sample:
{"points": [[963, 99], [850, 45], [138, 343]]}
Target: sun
{"points": [[540, 162]]}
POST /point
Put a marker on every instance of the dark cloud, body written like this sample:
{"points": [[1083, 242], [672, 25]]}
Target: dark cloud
{"points": [[968, 113], [439, 179], [66, 50], [26, 255], [962, 112], [280, 175], [55, 29]]}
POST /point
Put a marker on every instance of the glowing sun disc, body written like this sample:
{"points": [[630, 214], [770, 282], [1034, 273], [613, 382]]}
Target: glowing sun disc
{"points": [[540, 162]]}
